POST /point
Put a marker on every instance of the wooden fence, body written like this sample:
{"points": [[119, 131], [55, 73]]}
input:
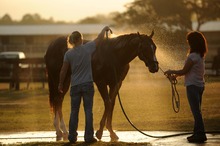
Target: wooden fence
{"points": [[15, 71], [210, 71]]}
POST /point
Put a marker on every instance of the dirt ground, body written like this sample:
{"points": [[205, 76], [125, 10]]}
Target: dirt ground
{"points": [[147, 104]]}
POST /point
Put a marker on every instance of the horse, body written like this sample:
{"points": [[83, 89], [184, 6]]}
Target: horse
{"points": [[110, 65]]}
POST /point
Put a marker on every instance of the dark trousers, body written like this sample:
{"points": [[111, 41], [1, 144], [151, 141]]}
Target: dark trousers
{"points": [[83, 91], [194, 94]]}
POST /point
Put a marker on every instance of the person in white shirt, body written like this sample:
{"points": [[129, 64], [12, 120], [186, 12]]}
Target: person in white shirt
{"points": [[194, 70]]}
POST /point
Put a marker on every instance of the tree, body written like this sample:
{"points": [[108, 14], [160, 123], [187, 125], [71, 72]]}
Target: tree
{"points": [[87, 20], [203, 10], [172, 13], [28, 19], [6, 19], [96, 19], [138, 14]]}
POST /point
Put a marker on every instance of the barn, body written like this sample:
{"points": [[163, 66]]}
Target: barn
{"points": [[211, 30], [33, 40]]}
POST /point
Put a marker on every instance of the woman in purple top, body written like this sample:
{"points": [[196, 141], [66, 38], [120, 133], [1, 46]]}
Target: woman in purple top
{"points": [[193, 70], [79, 60]]}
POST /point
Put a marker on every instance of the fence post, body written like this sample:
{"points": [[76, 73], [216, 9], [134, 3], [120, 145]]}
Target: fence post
{"points": [[15, 83]]}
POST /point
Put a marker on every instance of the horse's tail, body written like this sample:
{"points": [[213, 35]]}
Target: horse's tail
{"points": [[54, 95], [54, 59], [53, 77]]}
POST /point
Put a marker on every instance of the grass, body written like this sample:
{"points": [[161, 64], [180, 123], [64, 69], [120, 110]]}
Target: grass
{"points": [[146, 99]]}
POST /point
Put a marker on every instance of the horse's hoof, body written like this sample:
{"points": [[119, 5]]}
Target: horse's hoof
{"points": [[65, 136], [59, 136], [99, 134], [114, 137]]}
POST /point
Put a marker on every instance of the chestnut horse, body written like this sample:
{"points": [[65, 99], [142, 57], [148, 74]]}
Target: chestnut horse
{"points": [[110, 65]]}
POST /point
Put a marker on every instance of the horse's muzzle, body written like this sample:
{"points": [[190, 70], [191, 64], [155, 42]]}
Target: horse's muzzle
{"points": [[153, 68]]}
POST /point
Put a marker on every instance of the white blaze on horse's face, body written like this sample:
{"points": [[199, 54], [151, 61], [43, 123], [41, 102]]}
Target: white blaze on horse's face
{"points": [[154, 50]]}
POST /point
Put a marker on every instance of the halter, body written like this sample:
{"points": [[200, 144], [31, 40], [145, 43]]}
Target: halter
{"points": [[140, 53]]}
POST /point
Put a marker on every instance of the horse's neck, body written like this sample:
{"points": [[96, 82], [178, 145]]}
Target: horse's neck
{"points": [[126, 52], [119, 51]]}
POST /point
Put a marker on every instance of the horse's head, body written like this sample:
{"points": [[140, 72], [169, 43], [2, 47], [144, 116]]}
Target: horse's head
{"points": [[146, 52]]}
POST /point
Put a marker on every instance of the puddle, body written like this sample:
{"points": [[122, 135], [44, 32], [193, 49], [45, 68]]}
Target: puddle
{"points": [[124, 136]]}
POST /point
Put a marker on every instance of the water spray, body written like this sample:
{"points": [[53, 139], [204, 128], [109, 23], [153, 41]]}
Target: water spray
{"points": [[173, 82]]}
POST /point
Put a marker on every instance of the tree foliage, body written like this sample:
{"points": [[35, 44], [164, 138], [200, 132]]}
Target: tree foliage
{"points": [[28, 19], [96, 20], [6, 19], [203, 10], [37, 19], [178, 14]]}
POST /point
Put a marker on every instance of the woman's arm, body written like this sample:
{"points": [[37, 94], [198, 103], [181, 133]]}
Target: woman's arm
{"points": [[183, 71], [102, 34]]}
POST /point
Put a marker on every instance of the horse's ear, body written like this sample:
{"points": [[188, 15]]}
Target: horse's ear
{"points": [[152, 34]]}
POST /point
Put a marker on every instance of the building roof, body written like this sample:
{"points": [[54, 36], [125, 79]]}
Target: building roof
{"points": [[50, 29], [65, 29], [208, 26]]}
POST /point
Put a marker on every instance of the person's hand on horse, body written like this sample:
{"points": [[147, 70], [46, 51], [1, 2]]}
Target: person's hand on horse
{"points": [[107, 28]]}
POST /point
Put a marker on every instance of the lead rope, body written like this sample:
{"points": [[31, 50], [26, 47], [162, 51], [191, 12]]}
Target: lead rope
{"points": [[176, 109], [173, 84], [152, 136], [175, 94], [177, 101]]}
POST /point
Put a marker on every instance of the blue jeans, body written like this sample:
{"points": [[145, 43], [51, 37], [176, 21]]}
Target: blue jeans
{"points": [[194, 94], [85, 91]]}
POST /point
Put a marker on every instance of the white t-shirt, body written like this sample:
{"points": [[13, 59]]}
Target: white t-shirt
{"points": [[195, 76]]}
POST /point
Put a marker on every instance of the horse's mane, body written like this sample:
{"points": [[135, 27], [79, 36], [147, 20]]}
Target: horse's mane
{"points": [[109, 48], [121, 41]]}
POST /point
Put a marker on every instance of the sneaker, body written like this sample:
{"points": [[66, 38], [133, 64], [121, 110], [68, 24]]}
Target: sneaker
{"points": [[197, 138], [73, 140], [93, 140], [189, 137]]}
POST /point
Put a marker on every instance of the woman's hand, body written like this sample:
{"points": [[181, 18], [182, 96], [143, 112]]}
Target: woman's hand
{"points": [[168, 72]]}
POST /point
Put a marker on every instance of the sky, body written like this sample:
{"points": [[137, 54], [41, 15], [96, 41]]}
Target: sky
{"points": [[66, 10]]}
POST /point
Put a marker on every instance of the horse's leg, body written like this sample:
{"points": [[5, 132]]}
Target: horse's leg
{"points": [[112, 94], [62, 122], [104, 93], [57, 125], [63, 125], [114, 89]]}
